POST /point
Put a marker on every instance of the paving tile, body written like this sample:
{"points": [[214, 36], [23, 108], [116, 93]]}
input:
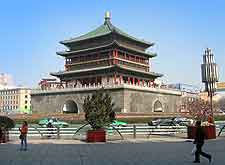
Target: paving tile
{"points": [[127, 152]]}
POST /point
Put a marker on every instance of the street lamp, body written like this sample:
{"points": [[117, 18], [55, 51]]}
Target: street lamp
{"points": [[209, 74]]}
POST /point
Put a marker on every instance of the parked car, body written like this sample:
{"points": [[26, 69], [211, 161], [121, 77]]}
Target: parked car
{"points": [[177, 121], [183, 121], [119, 123], [54, 121], [163, 122]]}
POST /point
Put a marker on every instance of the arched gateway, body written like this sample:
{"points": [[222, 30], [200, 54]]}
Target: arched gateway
{"points": [[158, 106], [70, 107]]}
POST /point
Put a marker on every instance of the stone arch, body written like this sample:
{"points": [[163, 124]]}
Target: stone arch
{"points": [[157, 106], [70, 106]]}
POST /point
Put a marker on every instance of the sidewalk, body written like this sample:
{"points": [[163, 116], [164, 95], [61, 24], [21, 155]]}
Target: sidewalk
{"points": [[119, 152]]}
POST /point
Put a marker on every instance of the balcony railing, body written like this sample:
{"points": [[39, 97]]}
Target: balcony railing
{"points": [[159, 88]]}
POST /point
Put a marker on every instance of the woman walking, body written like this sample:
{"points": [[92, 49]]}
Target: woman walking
{"points": [[23, 136]]}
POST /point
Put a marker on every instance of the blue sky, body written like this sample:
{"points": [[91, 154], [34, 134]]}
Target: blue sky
{"points": [[30, 32]]}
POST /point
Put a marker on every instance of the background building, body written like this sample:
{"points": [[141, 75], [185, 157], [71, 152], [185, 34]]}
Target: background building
{"points": [[185, 88], [50, 83], [15, 100]]}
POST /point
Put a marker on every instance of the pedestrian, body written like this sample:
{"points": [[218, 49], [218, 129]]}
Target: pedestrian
{"points": [[23, 136], [210, 120], [50, 126], [199, 141], [1, 134]]}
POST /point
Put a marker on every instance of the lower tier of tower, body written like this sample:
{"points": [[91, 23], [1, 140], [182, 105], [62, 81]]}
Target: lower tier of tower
{"points": [[127, 99]]}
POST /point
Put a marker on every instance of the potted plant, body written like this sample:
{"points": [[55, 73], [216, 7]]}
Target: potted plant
{"points": [[99, 114], [199, 109]]}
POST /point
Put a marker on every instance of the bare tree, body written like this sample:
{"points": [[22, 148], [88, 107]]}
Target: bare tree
{"points": [[197, 109]]}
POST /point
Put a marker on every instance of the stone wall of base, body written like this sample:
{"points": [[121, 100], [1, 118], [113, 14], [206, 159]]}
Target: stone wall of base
{"points": [[125, 99]]}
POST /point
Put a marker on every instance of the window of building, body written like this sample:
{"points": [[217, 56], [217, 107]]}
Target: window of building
{"points": [[25, 101], [25, 96], [25, 107]]}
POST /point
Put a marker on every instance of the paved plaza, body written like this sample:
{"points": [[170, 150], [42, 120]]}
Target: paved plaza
{"points": [[126, 152]]}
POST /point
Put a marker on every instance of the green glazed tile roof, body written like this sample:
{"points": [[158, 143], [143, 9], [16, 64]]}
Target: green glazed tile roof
{"points": [[102, 30], [60, 73], [65, 53]]}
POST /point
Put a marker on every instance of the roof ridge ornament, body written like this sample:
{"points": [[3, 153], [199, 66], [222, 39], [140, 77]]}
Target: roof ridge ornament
{"points": [[107, 16]]}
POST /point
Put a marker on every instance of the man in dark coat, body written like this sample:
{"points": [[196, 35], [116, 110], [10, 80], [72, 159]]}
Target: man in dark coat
{"points": [[1, 135], [199, 141]]}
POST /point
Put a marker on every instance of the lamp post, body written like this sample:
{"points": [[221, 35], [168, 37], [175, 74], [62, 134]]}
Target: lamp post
{"points": [[209, 75]]}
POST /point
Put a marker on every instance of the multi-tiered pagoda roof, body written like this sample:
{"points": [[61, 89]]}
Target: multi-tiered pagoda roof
{"points": [[108, 52]]}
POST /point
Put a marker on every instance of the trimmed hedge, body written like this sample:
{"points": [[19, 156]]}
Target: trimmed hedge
{"points": [[219, 118]]}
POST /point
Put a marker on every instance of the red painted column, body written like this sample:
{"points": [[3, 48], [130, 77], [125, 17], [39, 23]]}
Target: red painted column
{"points": [[98, 57], [128, 80], [116, 53], [115, 77], [121, 79], [116, 56], [143, 82], [133, 81], [138, 82]]}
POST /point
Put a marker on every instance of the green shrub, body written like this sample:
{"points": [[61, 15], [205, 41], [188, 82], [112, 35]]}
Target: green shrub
{"points": [[99, 109]]}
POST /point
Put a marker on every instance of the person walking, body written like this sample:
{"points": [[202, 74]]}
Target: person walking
{"points": [[199, 141], [1, 135], [50, 130], [23, 136]]}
